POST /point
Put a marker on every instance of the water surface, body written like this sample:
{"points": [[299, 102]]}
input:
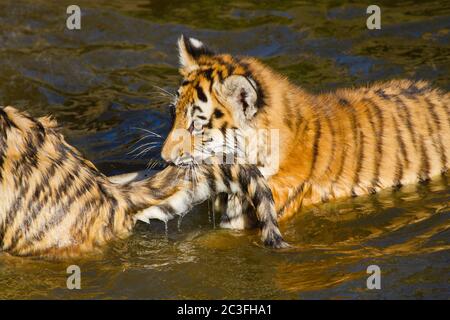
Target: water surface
{"points": [[101, 84]]}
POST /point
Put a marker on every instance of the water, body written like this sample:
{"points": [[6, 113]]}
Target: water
{"points": [[100, 82]]}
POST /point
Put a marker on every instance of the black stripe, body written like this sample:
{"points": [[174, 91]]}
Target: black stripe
{"points": [[358, 138], [228, 66], [261, 196], [382, 94], [333, 144], [412, 90], [260, 93], [14, 209], [401, 156], [424, 170], [374, 134], [315, 150], [195, 108], [67, 181], [398, 172], [92, 203], [224, 128], [288, 112], [294, 196], [379, 144], [401, 143], [437, 144], [66, 202], [55, 220], [111, 200], [432, 110], [211, 180], [244, 180], [409, 124], [226, 170], [351, 113], [200, 94], [31, 215], [224, 178], [447, 111], [3, 145], [23, 168], [209, 125], [7, 121], [342, 161], [208, 75], [360, 158], [425, 162]]}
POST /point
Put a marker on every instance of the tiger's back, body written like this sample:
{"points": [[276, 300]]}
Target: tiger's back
{"points": [[359, 141], [385, 135], [55, 203], [53, 200]]}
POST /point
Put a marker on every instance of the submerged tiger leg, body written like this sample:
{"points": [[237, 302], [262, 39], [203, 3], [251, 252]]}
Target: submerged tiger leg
{"points": [[199, 184]]}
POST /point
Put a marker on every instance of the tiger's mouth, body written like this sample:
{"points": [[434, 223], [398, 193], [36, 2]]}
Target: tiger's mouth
{"points": [[185, 160]]}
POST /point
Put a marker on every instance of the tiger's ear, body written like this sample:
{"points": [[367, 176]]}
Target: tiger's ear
{"points": [[241, 93], [190, 49]]}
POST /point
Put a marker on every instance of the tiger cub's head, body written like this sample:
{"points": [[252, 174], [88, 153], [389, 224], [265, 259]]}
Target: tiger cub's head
{"points": [[216, 102]]}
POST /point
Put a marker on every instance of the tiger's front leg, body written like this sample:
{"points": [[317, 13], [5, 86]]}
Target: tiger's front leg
{"points": [[237, 212], [210, 180]]}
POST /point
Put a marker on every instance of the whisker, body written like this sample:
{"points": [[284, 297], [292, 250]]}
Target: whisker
{"points": [[149, 143], [144, 145], [153, 163], [144, 137], [165, 91], [151, 132], [144, 151], [162, 94]]}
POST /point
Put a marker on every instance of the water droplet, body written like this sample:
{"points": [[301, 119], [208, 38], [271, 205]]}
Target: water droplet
{"points": [[180, 219], [166, 228], [209, 210], [214, 217]]}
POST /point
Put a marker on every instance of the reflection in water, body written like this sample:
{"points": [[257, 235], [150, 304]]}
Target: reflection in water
{"points": [[357, 233], [101, 84]]}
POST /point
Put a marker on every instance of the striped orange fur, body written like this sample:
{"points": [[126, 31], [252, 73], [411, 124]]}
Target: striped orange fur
{"points": [[55, 203], [339, 144]]}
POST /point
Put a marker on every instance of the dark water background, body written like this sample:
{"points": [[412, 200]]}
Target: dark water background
{"points": [[100, 83]]}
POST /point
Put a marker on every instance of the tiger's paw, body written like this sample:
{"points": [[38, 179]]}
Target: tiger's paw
{"points": [[154, 212], [273, 239], [276, 243]]}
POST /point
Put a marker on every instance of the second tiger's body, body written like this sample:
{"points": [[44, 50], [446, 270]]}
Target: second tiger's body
{"points": [[56, 203], [344, 143], [358, 141]]}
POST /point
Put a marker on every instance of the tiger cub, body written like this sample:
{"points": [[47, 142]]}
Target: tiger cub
{"points": [[345, 143], [55, 203]]}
